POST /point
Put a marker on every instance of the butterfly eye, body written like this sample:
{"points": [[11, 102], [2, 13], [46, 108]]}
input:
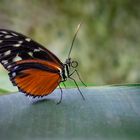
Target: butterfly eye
{"points": [[74, 64]]}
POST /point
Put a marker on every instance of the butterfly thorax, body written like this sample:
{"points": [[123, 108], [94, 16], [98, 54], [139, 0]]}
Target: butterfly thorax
{"points": [[69, 68]]}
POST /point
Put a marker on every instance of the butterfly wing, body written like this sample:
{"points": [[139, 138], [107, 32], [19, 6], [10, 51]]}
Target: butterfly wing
{"points": [[32, 68], [15, 46], [35, 78]]}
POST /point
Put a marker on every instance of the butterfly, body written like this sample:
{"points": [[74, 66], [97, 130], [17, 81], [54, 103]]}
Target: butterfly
{"points": [[35, 70]]}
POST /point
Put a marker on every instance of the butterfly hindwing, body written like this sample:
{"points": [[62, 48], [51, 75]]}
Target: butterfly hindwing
{"points": [[35, 77], [33, 85]]}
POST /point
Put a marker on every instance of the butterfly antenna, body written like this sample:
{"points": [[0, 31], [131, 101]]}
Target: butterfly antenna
{"points": [[78, 27]]}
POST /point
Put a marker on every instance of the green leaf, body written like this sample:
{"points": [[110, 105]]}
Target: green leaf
{"points": [[128, 84], [108, 113], [3, 91]]}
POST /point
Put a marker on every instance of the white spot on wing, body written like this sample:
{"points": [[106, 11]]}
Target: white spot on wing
{"points": [[9, 66], [8, 36], [16, 45], [1, 41], [7, 52], [4, 62], [28, 39], [41, 49], [30, 53], [15, 67], [36, 50], [4, 32], [13, 74], [14, 34], [20, 42], [17, 58]]}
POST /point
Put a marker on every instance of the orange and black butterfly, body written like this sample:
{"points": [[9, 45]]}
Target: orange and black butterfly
{"points": [[32, 68]]}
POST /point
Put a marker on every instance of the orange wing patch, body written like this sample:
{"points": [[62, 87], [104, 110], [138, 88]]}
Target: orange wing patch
{"points": [[36, 82]]}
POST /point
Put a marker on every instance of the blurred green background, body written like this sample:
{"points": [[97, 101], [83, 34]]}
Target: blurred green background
{"points": [[107, 46]]}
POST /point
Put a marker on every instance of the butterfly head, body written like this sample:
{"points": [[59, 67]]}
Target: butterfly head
{"points": [[70, 63]]}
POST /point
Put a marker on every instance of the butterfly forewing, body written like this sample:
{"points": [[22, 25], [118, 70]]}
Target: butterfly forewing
{"points": [[15, 46], [32, 68]]}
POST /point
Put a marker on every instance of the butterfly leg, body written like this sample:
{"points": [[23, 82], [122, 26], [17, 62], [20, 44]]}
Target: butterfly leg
{"points": [[77, 88], [60, 100], [78, 77], [64, 84]]}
